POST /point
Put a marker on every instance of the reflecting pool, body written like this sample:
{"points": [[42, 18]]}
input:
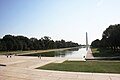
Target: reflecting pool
{"points": [[71, 53]]}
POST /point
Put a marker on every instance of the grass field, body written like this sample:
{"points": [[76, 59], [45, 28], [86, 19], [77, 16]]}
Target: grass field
{"points": [[34, 51], [97, 52], [14, 52], [85, 66]]}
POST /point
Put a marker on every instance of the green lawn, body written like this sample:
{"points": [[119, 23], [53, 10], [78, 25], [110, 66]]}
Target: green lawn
{"points": [[97, 52], [85, 66], [12, 52], [34, 52]]}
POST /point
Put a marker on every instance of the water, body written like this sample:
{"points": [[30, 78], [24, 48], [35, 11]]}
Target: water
{"points": [[77, 53]]}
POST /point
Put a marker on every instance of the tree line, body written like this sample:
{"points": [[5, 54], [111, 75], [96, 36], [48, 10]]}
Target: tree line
{"points": [[110, 38], [13, 43]]}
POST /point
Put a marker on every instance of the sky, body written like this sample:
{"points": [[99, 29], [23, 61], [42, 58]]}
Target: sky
{"points": [[59, 19]]}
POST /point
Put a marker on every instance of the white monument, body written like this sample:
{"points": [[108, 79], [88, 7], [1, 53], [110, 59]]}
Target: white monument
{"points": [[86, 41]]}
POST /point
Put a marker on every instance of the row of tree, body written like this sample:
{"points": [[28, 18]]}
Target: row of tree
{"points": [[110, 38], [13, 43]]}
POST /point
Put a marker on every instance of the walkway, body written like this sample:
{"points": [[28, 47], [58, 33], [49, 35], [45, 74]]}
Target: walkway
{"points": [[89, 54], [22, 68]]}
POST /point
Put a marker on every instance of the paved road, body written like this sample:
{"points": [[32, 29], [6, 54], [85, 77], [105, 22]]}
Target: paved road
{"points": [[22, 68]]}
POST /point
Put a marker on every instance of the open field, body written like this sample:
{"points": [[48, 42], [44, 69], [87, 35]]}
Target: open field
{"points": [[97, 52], [85, 66]]}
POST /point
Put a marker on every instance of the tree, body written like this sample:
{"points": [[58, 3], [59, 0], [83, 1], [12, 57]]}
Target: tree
{"points": [[111, 35], [4, 47], [35, 43], [63, 43], [110, 38], [46, 41], [1, 45], [13, 43], [10, 42], [24, 43], [96, 43]]}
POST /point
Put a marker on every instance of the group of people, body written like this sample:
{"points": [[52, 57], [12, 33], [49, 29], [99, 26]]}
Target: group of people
{"points": [[9, 55]]}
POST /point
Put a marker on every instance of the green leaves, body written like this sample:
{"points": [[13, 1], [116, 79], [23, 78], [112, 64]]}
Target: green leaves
{"points": [[110, 38], [13, 43]]}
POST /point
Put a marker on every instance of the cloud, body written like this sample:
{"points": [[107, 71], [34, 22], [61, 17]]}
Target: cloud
{"points": [[99, 2]]}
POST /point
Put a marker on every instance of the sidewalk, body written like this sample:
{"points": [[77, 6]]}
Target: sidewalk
{"points": [[89, 54], [22, 68]]}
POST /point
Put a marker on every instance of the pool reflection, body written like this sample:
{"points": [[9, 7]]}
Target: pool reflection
{"points": [[71, 53]]}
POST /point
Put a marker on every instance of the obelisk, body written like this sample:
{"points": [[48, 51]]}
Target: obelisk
{"points": [[86, 41]]}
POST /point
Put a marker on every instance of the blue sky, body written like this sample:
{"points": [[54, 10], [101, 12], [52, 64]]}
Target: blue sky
{"points": [[59, 19]]}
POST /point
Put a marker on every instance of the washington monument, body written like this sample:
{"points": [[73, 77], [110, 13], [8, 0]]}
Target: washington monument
{"points": [[86, 41]]}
